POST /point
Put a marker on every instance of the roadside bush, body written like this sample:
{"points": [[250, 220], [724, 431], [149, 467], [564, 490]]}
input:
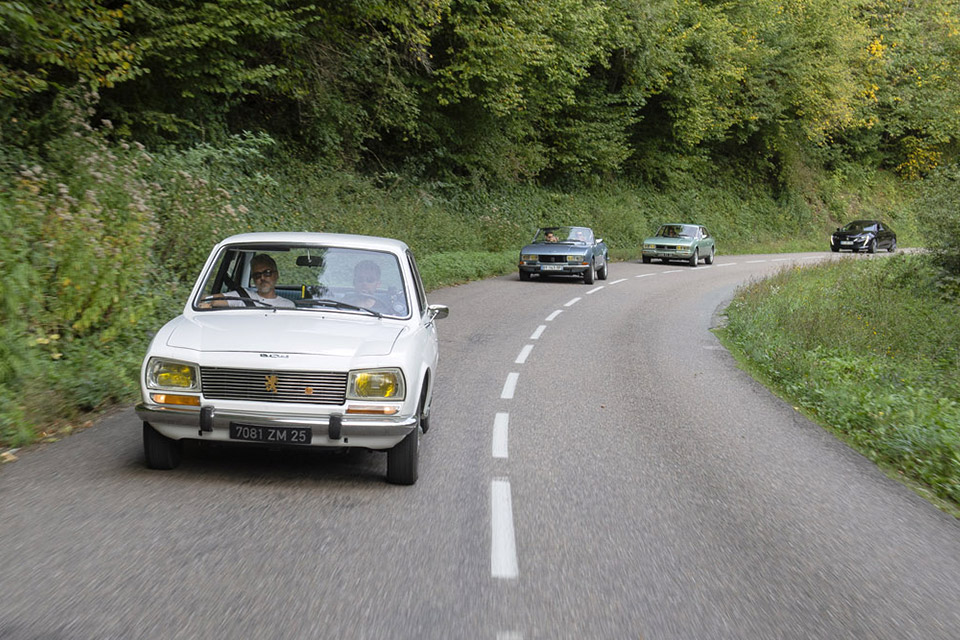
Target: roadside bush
{"points": [[939, 216], [77, 239], [867, 347]]}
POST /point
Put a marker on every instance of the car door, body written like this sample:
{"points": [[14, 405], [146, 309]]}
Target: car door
{"points": [[884, 236]]}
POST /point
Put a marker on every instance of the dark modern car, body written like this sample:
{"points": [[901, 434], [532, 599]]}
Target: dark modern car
{"points": [[864, 235], [564, 251]]}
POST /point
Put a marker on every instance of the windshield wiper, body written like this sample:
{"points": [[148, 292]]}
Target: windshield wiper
{"points": [[246, 300], [336, 304]]}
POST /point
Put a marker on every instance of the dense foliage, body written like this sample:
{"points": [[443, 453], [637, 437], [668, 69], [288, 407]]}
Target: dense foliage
{"points": [[468, 90]]}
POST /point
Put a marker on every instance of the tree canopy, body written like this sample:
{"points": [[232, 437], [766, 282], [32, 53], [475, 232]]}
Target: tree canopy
{"points": [[511, 90]]}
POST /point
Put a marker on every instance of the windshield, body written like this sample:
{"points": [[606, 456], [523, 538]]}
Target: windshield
{"points": [[564, 235], [859, 226], [677, 231], [313, 278]]}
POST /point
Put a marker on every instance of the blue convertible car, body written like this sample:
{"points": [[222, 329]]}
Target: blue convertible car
{"points": [[565, 251]]}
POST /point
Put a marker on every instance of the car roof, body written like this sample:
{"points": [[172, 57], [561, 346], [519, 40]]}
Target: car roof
{"points": [[346, 240]]}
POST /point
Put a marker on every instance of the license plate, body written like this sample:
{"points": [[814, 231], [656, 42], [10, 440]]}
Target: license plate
{"points": [[846, 242], [276, 435], [551, 267]]}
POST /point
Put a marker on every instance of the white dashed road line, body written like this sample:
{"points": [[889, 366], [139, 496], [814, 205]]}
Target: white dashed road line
{"points": [[595, 289], [573, 302], [618, 281], [524, 354], [554, 315], [675, 271], [500, 434], [503, 550], [645, 275], [539, 332], [509, 386]]}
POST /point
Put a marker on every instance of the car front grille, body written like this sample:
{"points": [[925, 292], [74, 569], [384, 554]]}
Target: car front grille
{"points": [[308, 387]]}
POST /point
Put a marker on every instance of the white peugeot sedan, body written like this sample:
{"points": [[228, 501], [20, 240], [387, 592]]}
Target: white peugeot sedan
{"points": [[297, 340]]}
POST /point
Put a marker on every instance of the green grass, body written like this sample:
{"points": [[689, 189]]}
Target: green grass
{"points": [[868, 349]]}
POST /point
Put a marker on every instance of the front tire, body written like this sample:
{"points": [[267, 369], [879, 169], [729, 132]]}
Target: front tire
{"points": [[525, 276], [695, 258], [588, 274], [403, 459], [709, 258], [602, 273], [645, 259], [873, 246], [893, 246], [160, 451]]}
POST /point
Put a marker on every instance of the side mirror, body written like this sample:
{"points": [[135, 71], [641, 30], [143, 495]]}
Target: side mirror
{"points": [[599, 240], [438, 311]]}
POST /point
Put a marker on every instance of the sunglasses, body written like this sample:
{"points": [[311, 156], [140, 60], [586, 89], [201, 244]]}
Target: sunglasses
{"points": [[266, 273]]}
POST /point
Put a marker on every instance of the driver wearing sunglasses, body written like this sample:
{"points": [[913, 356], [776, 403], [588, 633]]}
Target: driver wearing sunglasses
{"points": [[263, 276]]}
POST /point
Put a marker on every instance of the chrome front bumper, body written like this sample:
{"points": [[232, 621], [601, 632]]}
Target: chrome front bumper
{"points": [[210, 423]]}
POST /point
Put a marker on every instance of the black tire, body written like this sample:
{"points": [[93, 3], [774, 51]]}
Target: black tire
{"points": [[602, 273], [525, 276], [834, 249], [403, 459], [893, 246], [709, 258], [645, 259], [588, 274], [424, 409], [873, 246], [160, 451], [695, 258]]}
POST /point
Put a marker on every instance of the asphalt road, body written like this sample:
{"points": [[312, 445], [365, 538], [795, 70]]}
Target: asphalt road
{"points": [[597, 467]]}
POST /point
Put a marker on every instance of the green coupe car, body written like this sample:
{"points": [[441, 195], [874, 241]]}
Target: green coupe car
{"points": [[688, 242]]}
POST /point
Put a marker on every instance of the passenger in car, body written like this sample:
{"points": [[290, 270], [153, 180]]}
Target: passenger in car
{"points": [[366, 281]]}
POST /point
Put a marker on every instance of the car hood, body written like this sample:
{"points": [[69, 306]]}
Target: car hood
{"points": [[554, 248], [851, 234], [304, 333], [669, 242]]}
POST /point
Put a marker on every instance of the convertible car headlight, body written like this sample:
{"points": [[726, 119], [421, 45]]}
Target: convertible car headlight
{"points": [[649, 246], [576, 258], [529, 256], [172, 375], [376, 384]]}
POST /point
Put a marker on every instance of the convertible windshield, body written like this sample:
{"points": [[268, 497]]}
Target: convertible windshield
{"points": [[564, 235], [677, 231], [312, 278]]}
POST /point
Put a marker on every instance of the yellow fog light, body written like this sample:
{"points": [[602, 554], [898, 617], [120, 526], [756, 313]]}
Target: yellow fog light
{"points": [[385, 384]]}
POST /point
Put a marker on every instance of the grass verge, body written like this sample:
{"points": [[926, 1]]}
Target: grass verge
{"points": [[870, 350]]}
